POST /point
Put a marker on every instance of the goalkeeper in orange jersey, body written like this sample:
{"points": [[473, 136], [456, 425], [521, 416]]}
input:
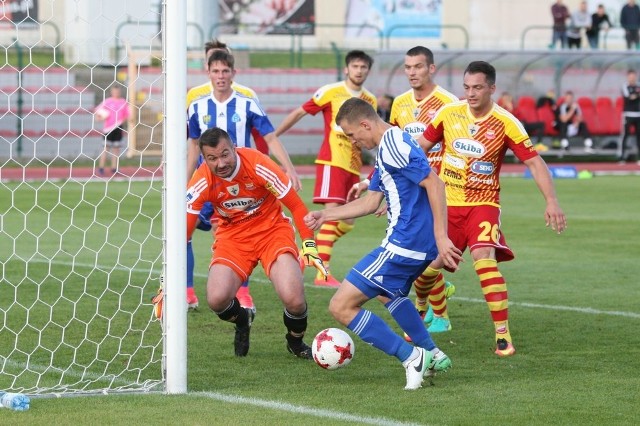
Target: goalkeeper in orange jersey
{"points": [[193, 156], [247, 190], [475, 135]]}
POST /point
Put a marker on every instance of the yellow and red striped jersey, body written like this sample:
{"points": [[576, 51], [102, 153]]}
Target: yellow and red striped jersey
{"points": [[474, 150], [336, 149], [413, 116]]}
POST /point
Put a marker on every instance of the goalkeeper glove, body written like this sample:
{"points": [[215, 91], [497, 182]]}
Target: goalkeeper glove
{"points": [[312, 258], [158, 304]]}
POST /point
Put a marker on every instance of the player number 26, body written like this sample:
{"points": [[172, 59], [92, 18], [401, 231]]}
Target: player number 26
{"points": [[489, 232]]}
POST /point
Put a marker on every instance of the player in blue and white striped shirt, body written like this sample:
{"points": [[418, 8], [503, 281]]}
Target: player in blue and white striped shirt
{"points": [[416, 233]]}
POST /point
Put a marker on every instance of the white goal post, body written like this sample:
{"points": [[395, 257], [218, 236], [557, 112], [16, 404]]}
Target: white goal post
{"points": [[82, 248]]}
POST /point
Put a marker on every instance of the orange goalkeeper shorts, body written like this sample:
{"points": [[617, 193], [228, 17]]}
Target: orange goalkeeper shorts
{"points": [[242, 252]]}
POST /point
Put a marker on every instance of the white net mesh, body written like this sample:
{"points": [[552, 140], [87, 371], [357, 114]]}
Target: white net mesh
{"points": [[80, 254]]}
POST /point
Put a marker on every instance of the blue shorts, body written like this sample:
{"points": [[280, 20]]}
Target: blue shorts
{"points": [[382, 272], [205, 217]]}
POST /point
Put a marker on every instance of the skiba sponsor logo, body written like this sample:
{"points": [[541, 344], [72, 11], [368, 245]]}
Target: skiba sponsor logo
{"points": [[238, 203], [469, 147], [482, 167], [415, 129]]}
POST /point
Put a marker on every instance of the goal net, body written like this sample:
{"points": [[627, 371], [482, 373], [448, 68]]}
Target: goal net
{"points": [[81, 246]]}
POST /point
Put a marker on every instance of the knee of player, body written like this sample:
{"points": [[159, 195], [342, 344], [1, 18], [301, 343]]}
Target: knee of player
{"points": [[296, 305], [339, 308]]}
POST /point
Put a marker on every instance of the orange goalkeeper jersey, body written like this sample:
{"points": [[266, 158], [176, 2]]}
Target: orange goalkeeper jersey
{"points": [[246, 203], [413, 116], [336, 149], [474, 150]]}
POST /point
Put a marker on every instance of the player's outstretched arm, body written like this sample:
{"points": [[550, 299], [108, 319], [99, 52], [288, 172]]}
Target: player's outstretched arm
{"points": [[291, 119], [309, 249], [357, 208], [553, 214], [276, 147], [425, 144], [449, 253]]}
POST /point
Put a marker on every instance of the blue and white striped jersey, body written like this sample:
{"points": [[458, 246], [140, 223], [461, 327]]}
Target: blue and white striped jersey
{"points": [[400, 166], [237, 115]]}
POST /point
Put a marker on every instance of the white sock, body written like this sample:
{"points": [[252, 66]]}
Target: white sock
{"points": [[415, 354]]}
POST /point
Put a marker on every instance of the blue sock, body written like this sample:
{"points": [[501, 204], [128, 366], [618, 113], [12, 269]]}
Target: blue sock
{"points": [[407, 317], [190, 264], [372, 330]]}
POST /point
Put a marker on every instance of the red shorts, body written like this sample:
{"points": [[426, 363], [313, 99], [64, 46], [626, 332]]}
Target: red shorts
{"points": [[478, 226], [242, 252], [333, 184]]}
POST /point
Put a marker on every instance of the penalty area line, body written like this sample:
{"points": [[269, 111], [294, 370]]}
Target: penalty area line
{"points": [[591, 311], [299, 409]]}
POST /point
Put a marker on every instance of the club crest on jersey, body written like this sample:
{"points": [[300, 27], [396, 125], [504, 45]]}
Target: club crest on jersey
{"points": [[468, 147], [235, 118], [491, 134], [206, 119], [473, 129], [233, 190], [431, 113]]}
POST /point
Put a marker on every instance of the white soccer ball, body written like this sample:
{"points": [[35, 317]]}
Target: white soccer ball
{"points": [[332, 348]]}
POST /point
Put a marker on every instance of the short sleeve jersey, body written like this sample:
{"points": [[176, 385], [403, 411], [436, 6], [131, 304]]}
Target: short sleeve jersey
{"points": [[413, 116], [336, 149], [245, 203], [400, 167], [236, 115], [474, 150]]}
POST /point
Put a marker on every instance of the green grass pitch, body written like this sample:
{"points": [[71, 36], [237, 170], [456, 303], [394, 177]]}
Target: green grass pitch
{"points": [[574, 314]]}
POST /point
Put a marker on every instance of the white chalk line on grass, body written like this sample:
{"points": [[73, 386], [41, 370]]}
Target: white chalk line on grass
{"points": [[591, 311], [233, 399], [286, 407], [556, 307], [299, 409]]}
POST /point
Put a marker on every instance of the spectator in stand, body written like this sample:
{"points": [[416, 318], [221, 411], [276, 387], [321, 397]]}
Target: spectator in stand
{"points": [[580, 20], [631, 112], [532, 127], [384, 106], [599, 22], [630, 21], [571, 123], [560, 14]]}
